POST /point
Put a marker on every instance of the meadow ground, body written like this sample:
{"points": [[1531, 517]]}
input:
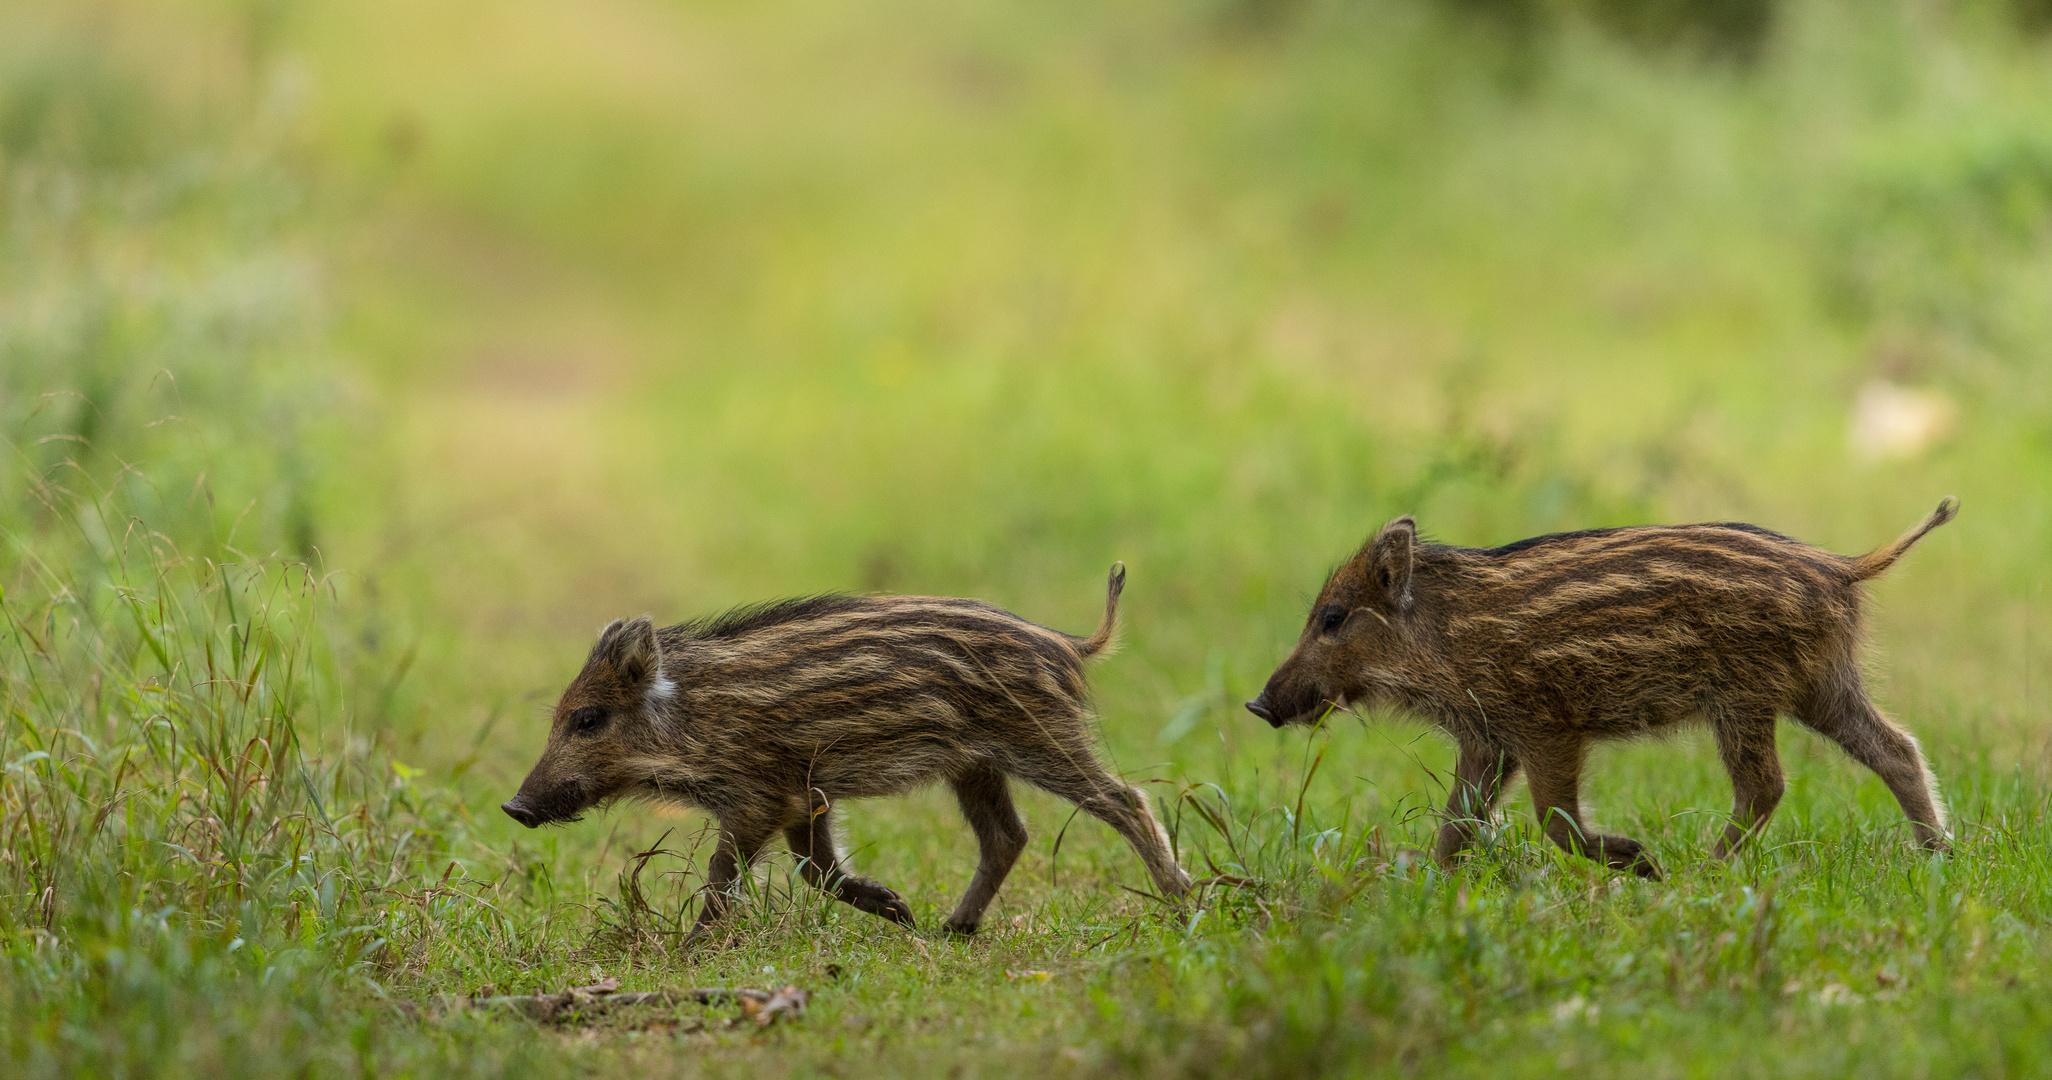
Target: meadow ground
{"points": [[358, 360]]}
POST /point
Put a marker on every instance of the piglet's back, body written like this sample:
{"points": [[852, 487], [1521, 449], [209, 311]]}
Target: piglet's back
{"points": [[1643, 619], [1643, 571], [920, 675]]}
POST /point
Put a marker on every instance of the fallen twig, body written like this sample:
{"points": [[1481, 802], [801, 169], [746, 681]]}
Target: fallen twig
{"points": [[765, 1007]]}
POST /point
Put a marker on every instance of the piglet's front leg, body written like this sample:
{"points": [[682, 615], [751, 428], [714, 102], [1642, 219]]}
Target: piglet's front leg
{"points": [[741, 837], [1479, 779], [812, 841]]}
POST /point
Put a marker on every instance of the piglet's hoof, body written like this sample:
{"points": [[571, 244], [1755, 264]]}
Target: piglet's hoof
{"points": [[1620, 853], [889, 905]]}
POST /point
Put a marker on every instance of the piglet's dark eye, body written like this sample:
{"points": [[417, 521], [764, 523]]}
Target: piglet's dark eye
{"points": [[1331, 618], [589, 718]]}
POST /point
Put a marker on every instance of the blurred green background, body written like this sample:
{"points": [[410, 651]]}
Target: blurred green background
{"points": [[611, 308], [513, 318]]}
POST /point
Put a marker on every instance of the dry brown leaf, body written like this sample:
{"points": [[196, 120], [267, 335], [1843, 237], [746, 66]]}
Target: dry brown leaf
{"points": [[598, 989], [788, 1002]]}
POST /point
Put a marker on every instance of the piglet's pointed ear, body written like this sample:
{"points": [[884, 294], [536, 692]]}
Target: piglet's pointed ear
{"points": [[1391, 557], [632, 650]]}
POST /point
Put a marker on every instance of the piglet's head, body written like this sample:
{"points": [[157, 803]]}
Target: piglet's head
{"points": [[600, 728], [1356, 628]]}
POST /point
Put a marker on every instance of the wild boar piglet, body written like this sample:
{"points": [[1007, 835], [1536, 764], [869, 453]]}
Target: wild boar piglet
{"points": [[768, 717], [1527, 654]]}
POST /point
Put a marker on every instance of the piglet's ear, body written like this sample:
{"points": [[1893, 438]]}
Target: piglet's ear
{"points": [[1390, 561], [632, 650]]}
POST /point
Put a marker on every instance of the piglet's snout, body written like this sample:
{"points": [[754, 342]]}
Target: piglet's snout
{"points": [[519, 812]]}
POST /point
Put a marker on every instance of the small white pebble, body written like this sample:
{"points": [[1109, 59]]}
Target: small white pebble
{"points": [[1891, 422], [768, 970]]}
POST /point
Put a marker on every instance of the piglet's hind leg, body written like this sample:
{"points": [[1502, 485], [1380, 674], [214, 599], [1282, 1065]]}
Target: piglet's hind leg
{"points": [[986, 800]]}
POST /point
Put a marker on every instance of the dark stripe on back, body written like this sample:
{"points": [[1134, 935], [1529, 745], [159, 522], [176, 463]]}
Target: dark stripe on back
{"points": [[1590, 534], [748, 618], [1539, 541], [956, 618]]}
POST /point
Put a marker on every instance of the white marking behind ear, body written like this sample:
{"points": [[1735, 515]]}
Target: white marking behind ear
{"points": [[662, 689]]}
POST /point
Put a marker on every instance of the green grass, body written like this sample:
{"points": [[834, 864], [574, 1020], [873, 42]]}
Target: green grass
{"points": [[358, 360]]}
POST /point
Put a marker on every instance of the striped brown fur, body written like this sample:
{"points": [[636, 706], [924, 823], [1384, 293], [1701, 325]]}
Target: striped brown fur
{"points": [[769, 716], [1529, 653]]}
